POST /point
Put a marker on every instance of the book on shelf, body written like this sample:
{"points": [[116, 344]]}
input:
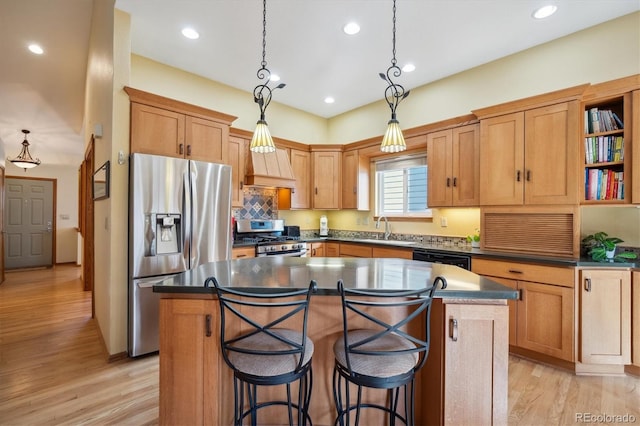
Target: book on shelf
{"points": [[604, 184], [604, 120], [603, 149]]}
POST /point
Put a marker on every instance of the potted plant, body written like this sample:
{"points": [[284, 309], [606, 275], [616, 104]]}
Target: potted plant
{"points": [[474, 239], [602, 248]]}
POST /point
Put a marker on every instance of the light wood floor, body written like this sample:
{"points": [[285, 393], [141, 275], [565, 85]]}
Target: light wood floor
{"points": [[53, 369]]}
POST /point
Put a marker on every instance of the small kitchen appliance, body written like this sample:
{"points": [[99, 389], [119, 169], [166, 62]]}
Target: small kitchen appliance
{"points": [[324, 226]]}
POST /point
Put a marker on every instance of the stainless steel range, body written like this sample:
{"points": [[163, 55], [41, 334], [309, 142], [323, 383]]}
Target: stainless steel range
{"points": [[269, 239]]}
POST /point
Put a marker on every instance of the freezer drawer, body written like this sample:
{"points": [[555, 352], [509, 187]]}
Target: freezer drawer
{"points": [[144, 306]]}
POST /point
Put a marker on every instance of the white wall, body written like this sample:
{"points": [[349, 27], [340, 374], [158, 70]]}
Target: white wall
{"points": [[66, 205]]}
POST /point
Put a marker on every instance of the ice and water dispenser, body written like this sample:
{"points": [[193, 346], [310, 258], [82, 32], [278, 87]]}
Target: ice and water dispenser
{"points": [[163, 233]]}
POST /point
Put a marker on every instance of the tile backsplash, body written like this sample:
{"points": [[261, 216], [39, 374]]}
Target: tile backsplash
{"points": [[258, 203]]}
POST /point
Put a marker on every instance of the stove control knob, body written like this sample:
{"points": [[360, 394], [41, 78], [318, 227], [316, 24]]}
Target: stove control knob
{"points": [[283, 248]]}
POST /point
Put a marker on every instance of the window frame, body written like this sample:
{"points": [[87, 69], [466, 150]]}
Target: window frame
{"points": [[401, 162]]}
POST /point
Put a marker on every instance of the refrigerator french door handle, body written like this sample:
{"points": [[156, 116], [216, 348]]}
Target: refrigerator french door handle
{"points": [[187, 200]]}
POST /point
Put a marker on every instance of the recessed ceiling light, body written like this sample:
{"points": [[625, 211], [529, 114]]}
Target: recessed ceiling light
{"points": [[190, 33], [329, 100], [351, 28], [409, 68], [274, 77], [545, 11], [35, 48]]}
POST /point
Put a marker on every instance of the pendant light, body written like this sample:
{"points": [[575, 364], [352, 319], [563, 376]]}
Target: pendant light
{"points": [[24, 159], [262, 141], [393, 141]]}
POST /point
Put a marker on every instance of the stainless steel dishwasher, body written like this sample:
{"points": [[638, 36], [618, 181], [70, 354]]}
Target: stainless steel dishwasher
{"points": [[447, 258]]}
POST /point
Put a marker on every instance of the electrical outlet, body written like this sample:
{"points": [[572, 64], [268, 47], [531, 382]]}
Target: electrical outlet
{"points": [[443, 222], [365, 221]]}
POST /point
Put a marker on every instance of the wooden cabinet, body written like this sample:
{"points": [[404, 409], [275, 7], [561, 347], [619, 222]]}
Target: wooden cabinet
{"points": [[157, 131], [635, 151], [543, 318], [605, 316], [530, 157], [327, 175], [332, 249], [635, 323], [163, 132], [190, 363], [355, 181], [301, 165], [243, 252], [608, 147], [168, 127], [316, 249], [453, 167], [470, 363], [400, 253], [237, 157], [355, 250]]}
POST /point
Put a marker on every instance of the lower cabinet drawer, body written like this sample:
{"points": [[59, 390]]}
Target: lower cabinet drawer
{"points": [[354, 250]]}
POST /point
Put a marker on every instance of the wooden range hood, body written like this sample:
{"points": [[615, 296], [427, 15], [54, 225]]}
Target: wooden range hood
{"points": [[270, 170]]}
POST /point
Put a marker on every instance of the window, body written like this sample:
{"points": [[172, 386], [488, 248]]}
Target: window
{"points": [[401, 187]]}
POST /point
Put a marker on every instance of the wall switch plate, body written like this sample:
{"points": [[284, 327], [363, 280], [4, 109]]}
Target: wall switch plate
{"points": [[443, 222]]}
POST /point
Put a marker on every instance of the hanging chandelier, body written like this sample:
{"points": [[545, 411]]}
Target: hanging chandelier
{"points": [[24, 159], [262, 141], [393, 141]]}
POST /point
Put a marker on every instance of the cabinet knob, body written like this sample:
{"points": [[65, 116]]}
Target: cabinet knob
{"points": [[518, 176], [189, 150], [207, 323], [316, 190], [181, 149], [448, 182], [455, 182], [528, 175], [453, 329]]}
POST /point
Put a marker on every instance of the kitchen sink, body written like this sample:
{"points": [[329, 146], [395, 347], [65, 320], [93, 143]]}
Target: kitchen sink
{"points": [[388, 242]]}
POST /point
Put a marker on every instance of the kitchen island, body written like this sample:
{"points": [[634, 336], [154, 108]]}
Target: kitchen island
{"points": [[463, 382]]}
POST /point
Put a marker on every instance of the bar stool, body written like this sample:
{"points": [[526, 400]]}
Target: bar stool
{"points": [[271, 349], [382, 354]]}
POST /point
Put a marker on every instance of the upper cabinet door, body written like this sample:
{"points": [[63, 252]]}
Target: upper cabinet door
{"points": [[157, 131], [552, 154], [206, 140], [465, 166], [440, 181], [326, 179], [237, 154], [301, 165], [502, 160]]}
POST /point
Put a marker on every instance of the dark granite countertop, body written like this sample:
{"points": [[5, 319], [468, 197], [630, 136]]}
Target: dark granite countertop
{"points": [[264, 273], [488, 254]]}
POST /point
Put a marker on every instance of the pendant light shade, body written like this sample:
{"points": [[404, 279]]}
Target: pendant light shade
{"points": [[24, 159], [393, 141], [262, 141]]}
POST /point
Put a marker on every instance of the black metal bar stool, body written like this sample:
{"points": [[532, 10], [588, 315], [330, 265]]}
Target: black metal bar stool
{"points": [[264, 341], [383, 354]]}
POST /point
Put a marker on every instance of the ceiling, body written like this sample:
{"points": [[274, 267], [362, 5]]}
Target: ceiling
{"points": [[305, 46]]}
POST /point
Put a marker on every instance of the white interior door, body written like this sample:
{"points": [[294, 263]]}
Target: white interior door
{"points": [[28, 222]]}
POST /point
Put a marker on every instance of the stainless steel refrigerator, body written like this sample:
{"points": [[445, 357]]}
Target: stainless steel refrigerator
{"points": [[179, 218]]}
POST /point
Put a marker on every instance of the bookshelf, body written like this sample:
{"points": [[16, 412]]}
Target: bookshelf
{"points": [[606, 150]]}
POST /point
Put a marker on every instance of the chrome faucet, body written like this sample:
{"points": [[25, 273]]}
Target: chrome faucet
{"points": [[387, 228]]}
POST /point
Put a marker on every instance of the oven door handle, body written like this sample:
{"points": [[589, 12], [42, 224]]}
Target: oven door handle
{"points": [[299, 253]]}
